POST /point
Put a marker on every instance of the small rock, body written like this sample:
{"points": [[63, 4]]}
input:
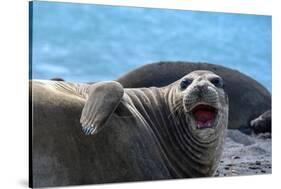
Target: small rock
{"points": [[234, 173], [263, 171], [258, 163], [236, 157], [252, 167]]}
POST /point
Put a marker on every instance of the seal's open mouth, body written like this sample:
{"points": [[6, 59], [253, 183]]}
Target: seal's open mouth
{"points": [[204, 116]]}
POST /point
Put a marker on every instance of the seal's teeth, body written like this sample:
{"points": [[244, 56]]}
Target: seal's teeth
{"points": [[92, 125]]}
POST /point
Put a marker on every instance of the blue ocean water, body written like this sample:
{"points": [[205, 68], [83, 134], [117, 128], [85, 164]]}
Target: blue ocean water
{"points": [[82, 42]]}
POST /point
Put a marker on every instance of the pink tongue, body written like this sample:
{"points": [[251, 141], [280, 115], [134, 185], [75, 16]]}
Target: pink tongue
{"points": [[204, 117]]}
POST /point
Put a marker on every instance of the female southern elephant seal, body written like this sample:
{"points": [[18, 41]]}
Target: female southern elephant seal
{"points": [[140, 134]]}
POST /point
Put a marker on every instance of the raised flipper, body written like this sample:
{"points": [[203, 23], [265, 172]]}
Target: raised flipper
{"points": [[103, 99]]}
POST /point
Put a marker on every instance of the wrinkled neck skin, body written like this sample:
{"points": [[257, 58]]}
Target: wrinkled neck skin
{"points": [[187, 152]]}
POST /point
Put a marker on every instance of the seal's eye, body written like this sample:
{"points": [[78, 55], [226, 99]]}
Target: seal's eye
{"points": [[217, 82], [184, 83]]}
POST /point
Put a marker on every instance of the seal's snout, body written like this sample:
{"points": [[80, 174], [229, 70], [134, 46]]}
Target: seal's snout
{"points": [[202, 103], [202, 87], [204, 115], [200, 94]]}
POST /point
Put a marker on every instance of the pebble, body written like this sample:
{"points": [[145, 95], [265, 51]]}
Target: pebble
{"points": [[252, 167]]}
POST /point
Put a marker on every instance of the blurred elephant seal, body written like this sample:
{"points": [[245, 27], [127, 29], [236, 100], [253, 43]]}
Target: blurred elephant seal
{"points": [[57, 79], [262, 124], [247, 98], [176, 131]]}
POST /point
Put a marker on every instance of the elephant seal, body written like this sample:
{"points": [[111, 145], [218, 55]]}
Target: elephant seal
{"points": [[247, 98], [176, 131], [262, 124], [57, 79]]}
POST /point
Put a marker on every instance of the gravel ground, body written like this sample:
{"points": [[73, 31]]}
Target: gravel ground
{"points": [[245, 155]]}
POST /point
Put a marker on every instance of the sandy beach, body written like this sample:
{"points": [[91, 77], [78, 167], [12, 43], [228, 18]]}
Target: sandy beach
{"points": [[246, 155]]}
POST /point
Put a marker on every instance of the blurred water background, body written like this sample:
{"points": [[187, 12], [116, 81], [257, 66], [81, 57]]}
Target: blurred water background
{"points": [[83, 42]]}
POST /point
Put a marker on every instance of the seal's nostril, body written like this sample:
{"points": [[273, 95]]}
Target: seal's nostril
{"points": [[202, 87]]}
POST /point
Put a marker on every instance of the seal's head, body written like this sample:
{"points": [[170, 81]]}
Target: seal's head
{"points": [[199, 109], [204, 102]]}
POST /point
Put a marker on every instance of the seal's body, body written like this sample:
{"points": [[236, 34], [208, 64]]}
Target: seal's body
{"points": [[131, 134]]}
